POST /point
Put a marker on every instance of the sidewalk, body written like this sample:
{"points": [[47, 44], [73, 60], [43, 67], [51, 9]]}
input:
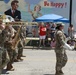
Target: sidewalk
{"points": [[42, 62]]}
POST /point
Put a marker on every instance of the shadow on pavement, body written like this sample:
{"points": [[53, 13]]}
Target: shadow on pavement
{"points": [[4, 71], [49, 74]]}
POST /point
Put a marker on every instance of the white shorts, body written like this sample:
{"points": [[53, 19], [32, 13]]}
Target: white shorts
{"points": [[43, 37]]}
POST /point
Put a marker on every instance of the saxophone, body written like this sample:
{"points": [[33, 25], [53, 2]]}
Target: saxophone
{"points": [[13, 44], [16, 39]]}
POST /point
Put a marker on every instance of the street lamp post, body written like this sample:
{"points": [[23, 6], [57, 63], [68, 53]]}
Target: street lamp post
{"points": [[70, 16], [70, 12]]}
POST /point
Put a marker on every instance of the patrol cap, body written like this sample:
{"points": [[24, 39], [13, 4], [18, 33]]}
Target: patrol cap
{"points": [[60, 24]]}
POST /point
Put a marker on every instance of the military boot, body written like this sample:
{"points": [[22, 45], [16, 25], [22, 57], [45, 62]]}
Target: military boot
{"points": [[59, 73], [9, 67], [19, 58]]}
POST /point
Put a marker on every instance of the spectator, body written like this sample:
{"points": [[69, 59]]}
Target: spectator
{"points": [[47, 31], [34, 31], [48, 25], [70, 31], [53, 29], [42, 34]]}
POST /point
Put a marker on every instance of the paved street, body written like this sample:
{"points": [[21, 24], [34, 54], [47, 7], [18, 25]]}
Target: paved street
{"points": [[42, 62]]}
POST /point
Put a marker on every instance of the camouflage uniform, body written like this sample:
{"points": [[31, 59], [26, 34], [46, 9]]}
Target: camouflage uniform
{"points": [[4, 58], [7, 34], [0, 60], [0, 52], [21, 43], [61, 57], [15, 51]]}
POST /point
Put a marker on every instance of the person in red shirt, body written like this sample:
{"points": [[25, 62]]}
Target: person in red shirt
{"points": [[42, 33]]}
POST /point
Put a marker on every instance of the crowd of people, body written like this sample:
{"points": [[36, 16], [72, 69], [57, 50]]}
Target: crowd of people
{"points": [[46, 31]]}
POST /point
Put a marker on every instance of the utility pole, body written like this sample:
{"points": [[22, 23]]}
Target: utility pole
{"points": [[70, 17], [70, 12]]}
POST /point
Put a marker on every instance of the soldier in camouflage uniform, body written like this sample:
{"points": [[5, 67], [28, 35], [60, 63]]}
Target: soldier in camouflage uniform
{"points": [[4, 58], [21, 45], [0, 52], [61, 57], [23, 36], [0, 60], [8, 34]]}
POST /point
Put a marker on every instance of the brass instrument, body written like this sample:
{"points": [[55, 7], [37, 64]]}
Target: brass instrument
{"points": [[16, 39], [13, 44]]}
